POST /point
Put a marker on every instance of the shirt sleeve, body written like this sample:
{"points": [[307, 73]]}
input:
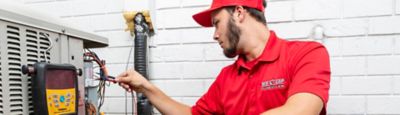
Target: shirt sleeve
{"points": [[209, 103], [311, 72]]}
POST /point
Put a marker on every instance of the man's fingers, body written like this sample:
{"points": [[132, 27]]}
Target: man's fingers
{"points": [[123, 79], [130, 80], [124, 74], [126, 86], [127, 89], [123, 84]]}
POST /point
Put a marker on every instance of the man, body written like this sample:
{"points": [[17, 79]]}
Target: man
{"points": [[271, 76]]}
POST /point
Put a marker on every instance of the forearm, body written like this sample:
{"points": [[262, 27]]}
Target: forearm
{"points": [[163, 103], [281, 111], [299, 104], [290, 110], [287, 110]]}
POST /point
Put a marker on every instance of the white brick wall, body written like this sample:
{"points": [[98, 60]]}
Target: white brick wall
{"points": [[166, 70], [177, 18], [367, 85], [383, 65], [200, 70], [348, 66], [279, 11], [384, 25], [333, 46], [167, 4], [196, 2], [115, 105], [362, 37], [375, 104], [336, 86], [397, 6], [316, 9], [345, 27], [356, 8], [397, 45], [168, 37], [197, 35], [117, 38], [396, 82], [297, 30], [346, 105], [367, 45]]}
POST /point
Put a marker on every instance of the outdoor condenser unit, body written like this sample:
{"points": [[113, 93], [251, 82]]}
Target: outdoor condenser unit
{"points": [[27, 37]]}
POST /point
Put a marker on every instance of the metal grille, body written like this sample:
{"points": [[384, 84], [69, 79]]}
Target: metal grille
{"points": [[23, 47], [22, 43], [14, 69], [1, 85], [36, 46], [44, 43], [32, 55]]}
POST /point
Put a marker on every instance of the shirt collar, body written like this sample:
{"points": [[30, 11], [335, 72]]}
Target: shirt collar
{"points": [[269, 54]]}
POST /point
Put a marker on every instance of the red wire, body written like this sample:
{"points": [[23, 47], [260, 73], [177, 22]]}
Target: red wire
{"points": [[99, 62]]}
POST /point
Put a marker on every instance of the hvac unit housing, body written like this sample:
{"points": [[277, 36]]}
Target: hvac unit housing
{"points": [[25, 37]]}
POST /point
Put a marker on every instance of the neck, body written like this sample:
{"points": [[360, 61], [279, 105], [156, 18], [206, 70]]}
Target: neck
{"points": [[255, 40]]}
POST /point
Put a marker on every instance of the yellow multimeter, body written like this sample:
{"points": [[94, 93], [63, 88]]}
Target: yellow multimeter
{"points": [[54, 88]]}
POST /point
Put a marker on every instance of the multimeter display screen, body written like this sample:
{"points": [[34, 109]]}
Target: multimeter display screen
{"points": [[60, 79]]}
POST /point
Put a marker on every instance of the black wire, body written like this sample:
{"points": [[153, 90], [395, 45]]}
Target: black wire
{"points": [[102, 88], [102, 83], [103, 77], [126, 97], [101, 92]]}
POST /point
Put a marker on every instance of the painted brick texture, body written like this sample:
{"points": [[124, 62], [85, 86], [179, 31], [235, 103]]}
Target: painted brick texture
{"points": [[362, 37]]}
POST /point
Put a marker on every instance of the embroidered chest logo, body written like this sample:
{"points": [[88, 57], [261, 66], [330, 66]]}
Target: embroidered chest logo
{"points": [[273, 84]]}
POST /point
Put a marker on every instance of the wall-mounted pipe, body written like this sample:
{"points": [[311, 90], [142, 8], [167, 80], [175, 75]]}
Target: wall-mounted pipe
{"points": [[141, 33]]}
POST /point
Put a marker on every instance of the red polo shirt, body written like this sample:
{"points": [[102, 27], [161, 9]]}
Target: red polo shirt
{"points": [[283, 69]]}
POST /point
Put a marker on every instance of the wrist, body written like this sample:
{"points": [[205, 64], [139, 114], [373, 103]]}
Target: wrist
{"points": [[147, 87]]}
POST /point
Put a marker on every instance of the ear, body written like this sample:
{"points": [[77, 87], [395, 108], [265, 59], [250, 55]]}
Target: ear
{"points": [[240, 13]]}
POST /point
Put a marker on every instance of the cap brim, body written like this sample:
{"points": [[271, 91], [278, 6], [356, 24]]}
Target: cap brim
{"points": [[204, 18]]}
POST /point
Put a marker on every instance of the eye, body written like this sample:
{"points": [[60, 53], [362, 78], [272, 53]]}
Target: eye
{"points": [[215, 23]]}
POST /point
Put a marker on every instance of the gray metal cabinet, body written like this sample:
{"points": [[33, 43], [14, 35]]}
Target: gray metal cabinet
{"points": [[22, 43]]}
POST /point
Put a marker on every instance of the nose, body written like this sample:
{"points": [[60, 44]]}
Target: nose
{"points": [[216, 35]]}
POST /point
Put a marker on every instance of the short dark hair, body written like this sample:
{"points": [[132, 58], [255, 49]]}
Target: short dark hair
{"points": [[257, 14]]}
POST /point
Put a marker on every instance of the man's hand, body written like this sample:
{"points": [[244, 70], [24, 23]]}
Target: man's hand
{"points": [[132, 80]]}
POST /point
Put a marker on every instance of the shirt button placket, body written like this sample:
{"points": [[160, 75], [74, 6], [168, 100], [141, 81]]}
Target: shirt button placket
{"points": [[252, 94]]}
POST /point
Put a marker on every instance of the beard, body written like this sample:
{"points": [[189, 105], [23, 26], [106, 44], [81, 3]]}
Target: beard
{"points": [[233, 35]]}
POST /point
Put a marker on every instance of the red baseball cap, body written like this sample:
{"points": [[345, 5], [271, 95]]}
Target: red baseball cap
{"points": [[204, 18]]}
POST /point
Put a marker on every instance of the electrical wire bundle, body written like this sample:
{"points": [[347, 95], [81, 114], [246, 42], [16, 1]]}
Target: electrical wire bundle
{"points": [[104, 76], [103, 73]]}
